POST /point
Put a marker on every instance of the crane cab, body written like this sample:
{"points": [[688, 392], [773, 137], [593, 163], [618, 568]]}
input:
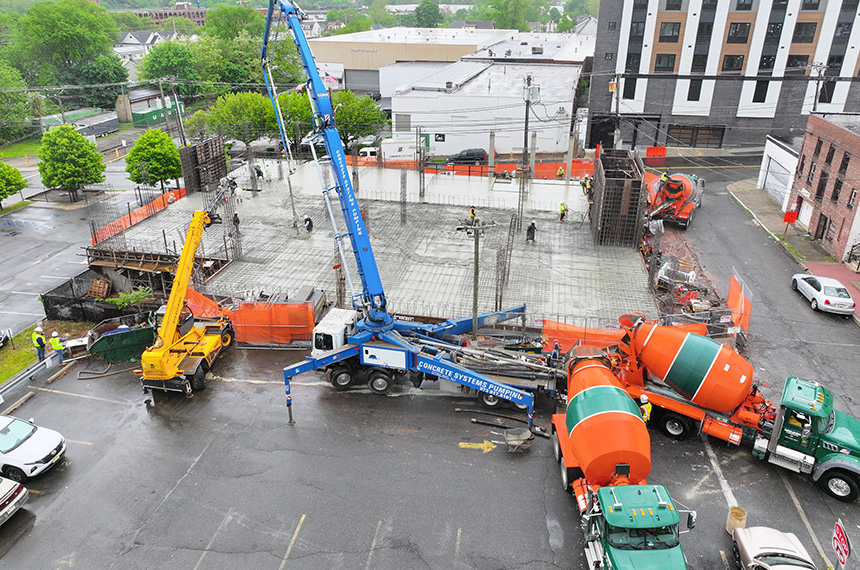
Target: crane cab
{"points": [[333, 330]]}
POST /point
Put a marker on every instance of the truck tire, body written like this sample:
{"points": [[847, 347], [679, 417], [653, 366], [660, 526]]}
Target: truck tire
{"points": [[489, 401], [568, 475], [227, 338], [556, 447], [341, 377], [198, 379], [675, 425], [840, 485], [379, 382]]}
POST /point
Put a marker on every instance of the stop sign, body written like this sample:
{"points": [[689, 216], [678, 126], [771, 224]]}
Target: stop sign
{"points": [[840, 543]]}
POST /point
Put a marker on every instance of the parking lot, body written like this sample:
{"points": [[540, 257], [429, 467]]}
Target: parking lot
{"points": [[360, 481]]}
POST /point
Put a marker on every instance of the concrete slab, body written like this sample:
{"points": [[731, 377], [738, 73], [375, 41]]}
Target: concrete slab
{"points": [[425, 263]]}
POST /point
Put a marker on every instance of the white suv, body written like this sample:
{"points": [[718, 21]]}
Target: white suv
{"points": [[27, 449]]}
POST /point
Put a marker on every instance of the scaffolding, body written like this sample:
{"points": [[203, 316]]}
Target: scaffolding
{"points": [[620, 199]]}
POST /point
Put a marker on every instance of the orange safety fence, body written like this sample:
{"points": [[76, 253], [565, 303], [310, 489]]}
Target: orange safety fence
{"points": [[739, 304], [259, 322], [137, 215], [569, 335], [543, 170]]}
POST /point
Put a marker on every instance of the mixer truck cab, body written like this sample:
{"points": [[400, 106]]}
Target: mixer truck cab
{"points": [[636, 527], [810, 437]]}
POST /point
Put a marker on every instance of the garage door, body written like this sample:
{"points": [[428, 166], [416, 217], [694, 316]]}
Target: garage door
{"points": [[777, 180]]}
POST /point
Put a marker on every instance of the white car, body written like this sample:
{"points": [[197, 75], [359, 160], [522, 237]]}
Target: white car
{"points": [[824, 293], [13, 495], [27, 449], [762, 547]]}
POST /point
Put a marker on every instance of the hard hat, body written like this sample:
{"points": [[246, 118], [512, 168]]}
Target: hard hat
{"points": [[55, 333], [38, 329], [534, 222], [643, 398]]}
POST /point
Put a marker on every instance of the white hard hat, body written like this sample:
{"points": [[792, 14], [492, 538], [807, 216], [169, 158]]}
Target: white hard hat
{"points": [[534, 222], [38, 329], [55, 333], [643, 398]]}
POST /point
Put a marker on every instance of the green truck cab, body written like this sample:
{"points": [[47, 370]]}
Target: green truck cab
{"points": [[635, 527], [810, 437]]}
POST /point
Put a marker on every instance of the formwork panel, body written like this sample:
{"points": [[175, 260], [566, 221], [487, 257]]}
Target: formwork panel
{"points": [[620, 199]]}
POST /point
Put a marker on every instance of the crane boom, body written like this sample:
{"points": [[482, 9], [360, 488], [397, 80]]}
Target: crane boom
{"points": [[371, 302]]}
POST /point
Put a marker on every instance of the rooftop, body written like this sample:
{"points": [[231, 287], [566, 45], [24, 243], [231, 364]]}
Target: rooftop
{"points": [[440, 36], [848, 121]]}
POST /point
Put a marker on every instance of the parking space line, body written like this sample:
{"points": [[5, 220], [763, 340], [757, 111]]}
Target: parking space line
{"points": [[725, 560], [227, 518], [372, 545], [82, 396], [457, 547], [292, 542], [805, 520], [724, 485], [78, 442]]}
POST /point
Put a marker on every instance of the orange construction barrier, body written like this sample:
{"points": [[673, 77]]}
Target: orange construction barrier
{"points": [[739, 304], [137, 215]]}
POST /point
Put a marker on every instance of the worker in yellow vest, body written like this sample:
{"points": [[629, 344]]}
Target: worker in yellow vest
{"points": [[645, 408], [57, 344], [39, 343]]}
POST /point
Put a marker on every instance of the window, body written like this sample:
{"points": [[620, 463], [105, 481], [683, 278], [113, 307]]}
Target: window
{"points": [[810, 5], [773, 33], [852, 198], [804, 32], [823, 179], [825, 95], [706, 29], [817, 148], [607, 55], [767, 62], [633, 60], [843, 30], [709, 4], [837, 188], [834, 64], [637, 29], [802, 165], [760, 94], [695, 90], [670, 31], [665, 62], [843, 167], [733, 63], [830, 152], [831, 230], [673, 4], [739, 33], [629, 89], [796, 64], [743, 5], [700, 62], [811, 174], [613, 25]]}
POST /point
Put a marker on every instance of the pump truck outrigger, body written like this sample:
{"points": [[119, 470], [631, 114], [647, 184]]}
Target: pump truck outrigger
{"points": [[372, 341], [185, 347]]}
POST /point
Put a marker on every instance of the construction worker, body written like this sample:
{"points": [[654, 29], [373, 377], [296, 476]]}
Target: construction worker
{"points": [[472, 213], [309, 224], [562, 210], [530, 232], [58, 346], [560, 172], [39, 343], [645, 408], [665, 177], [589, 188]]}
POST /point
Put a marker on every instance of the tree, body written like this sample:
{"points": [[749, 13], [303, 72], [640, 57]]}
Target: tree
{"points": [[171, 59], [197, 126], [296, 111], [52, 36], [180, 25], [131, 22], [105, 69], [564, 25], [11, 181], [362, 25], [227, 22], [153, 158], [68, 161], [243, 117], [356, 117], [428, 15], [14, 103], [380, 14]]}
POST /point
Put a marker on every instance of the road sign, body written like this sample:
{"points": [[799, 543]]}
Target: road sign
{"points": [[790, 217], [840, 543]]}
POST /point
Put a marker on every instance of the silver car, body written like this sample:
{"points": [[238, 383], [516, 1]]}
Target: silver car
{"points": [[760, 547], [824, 293], [13, 495]]}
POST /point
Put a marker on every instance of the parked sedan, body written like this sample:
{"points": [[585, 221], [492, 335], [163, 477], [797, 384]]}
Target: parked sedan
{"points": [[824, 293], [762, 547], [27, 449], [13, 495]]}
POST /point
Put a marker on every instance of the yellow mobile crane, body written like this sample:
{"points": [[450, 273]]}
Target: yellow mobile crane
{"points": [[185, 348]]}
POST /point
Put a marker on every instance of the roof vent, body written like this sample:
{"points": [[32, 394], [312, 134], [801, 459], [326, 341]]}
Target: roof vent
{"points": [[449, 85]]}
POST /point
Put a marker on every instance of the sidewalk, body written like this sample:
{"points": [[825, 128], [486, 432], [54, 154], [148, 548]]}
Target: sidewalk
{"points": [[796, 242]]}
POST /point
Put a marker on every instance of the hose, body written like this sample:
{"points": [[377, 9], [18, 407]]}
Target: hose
{"points": [[90, 374]]}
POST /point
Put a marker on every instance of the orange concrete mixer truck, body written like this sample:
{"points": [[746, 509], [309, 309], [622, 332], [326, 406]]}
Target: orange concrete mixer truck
{"points": [[604, 453], [696, 384], [674, 198]]}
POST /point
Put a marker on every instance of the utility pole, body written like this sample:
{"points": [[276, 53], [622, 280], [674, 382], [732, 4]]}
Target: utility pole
{"points": [[617, 89], [475, 228], [530, 93], [819, 67], [164, 107], [178, 115]]}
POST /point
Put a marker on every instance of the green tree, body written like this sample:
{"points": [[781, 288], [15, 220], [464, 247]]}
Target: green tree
{"points": [[153, 158], [68, 161], [52, 36], [180, 25], [356, 117], [427, 14], [346, 16], [565, 24], [11, 182], [171, 59], [243, 116], [14, 103], [244, 52], [105, 69], [554, 14], [362, 25], [296, 111], [131, 22], [197, 126], [227, 22], [380, 15]]}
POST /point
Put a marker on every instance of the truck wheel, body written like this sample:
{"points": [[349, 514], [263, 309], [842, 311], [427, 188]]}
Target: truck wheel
{"points": [[489, 401], [556, 447], [840, 485], [565, 476], [675, 425], [227, 337], [198, 379], [379, 382], [341, 377]]}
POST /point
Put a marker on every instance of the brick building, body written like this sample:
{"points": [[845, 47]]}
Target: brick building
{"points": [[827, 181]]}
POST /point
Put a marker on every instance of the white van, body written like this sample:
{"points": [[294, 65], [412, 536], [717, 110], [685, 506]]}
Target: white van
{"points": [[368, 152]]}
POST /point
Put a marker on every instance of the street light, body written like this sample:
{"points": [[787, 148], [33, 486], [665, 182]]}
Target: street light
{"points": [[475, 228]]}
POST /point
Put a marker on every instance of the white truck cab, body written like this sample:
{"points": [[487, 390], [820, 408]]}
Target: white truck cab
{"points": [[333, 330]]}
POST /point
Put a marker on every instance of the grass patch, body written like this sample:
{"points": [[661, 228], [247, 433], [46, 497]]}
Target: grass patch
{"points": [[793, 251], [20, 353], [13, 207], [28, 147]]}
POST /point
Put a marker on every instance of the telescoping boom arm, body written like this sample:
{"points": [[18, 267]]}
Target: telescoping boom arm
{"points": [[371, 302]]}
